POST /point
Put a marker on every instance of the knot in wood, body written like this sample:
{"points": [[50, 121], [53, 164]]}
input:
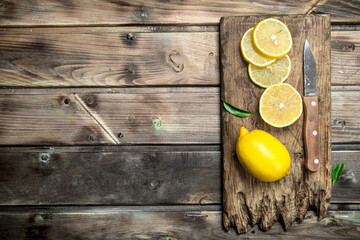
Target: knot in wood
{"points": [[3, 4], [131, 71], [175, 60]]}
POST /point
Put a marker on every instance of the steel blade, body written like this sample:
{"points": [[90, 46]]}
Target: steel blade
{"points": [[310, 82]]}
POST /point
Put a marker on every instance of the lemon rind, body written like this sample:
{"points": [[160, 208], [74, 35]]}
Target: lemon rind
{"points": [[287, 124], [263, 51], [263, 86], [248, 59]]}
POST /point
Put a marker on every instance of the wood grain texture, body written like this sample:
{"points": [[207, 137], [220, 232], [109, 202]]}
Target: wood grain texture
{"points": [[128, 177], [311, 140], [86, 12], [348, 184], [106, 57], [120, 56], [135, 116], [41, 117], [247, 200], [136, 175], [341, 11], [345, 117], [345, 60], [117, 223]]}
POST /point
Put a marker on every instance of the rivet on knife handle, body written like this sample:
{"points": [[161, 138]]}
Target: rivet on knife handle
{"points": [[311, 133]]}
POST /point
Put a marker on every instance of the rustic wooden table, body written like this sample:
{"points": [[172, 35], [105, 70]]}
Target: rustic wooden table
{"points": [[110, 119]]}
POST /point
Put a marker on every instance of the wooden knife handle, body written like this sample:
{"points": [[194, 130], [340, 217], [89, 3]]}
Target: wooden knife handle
{"points": [[312, 133]]}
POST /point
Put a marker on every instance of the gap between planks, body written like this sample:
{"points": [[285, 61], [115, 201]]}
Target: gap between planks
{"points": [[139, 89], [153, 28], [144, 148], [129, 208], [165, 28], [111, 90]]}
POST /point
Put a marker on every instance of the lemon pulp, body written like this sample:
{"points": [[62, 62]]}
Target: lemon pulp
{"points": [[250, 54], [272, 38], [275, 73], [280, 105]]}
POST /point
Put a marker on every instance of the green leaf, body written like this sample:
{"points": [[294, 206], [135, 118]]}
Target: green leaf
{"points": [[236, 111], [336, 172]]}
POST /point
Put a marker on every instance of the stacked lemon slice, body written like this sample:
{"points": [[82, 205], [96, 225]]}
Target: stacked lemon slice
{"points": [[265, 48]]}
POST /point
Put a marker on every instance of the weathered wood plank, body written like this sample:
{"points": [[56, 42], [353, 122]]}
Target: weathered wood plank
{"points": [[347, 189], [131, 175], [127, 178], [341, 11], [86, 12], [138, 116], [345, 57], [345, 112], [44, 57], [106, 57], [97, 116], [97, 223]]}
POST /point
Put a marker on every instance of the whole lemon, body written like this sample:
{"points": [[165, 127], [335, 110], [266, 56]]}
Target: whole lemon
{"points": [[262, 155]]}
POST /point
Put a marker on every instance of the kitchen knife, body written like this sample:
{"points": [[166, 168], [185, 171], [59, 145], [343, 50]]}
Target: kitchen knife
{"points": [[311, 121]]}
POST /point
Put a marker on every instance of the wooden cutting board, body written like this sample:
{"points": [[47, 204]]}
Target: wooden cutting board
{"points": [[247, 200]]}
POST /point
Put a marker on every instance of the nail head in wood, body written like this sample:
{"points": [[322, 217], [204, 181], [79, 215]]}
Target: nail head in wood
{"points": [[92, 137], [44, 158], [90, 100], [130, 37]]}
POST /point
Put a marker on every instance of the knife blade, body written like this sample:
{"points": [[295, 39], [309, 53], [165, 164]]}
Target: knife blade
{"points": [[311, 109]]}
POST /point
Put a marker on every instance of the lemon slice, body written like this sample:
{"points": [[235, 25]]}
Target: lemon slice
{"points": [[250, 54], [280, 105], [277, 72], [272, 38]]}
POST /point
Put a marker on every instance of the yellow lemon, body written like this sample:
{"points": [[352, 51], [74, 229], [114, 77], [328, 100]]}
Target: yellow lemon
{"points": [[250, 54], [272, 38], [262, 155], [277, 72], [280, 105]]}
